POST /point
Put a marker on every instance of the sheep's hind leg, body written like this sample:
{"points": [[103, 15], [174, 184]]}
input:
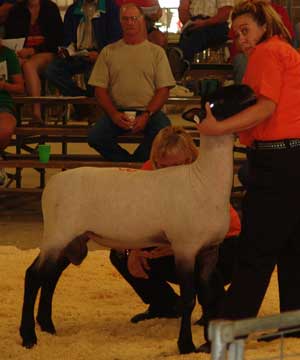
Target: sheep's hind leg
{"points": [[31, 288], [53, 271], [74, 252], [185, 270]]}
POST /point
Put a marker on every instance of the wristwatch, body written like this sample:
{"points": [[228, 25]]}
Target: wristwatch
{"points": [[150, 113]]}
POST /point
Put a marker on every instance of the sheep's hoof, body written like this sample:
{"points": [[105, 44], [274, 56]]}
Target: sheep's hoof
{"points": [[186, 348], [29, 340], [47, 326]]}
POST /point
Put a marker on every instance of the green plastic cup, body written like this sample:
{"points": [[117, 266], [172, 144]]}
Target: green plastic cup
{"points": [[44, 152]]}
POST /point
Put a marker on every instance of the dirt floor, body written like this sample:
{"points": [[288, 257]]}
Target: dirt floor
{"points": [[92, 305]]}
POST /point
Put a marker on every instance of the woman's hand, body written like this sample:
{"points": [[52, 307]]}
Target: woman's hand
{"points": [[92, 56], [197, 24], [26, 53], [137, 264], [210, 126]]}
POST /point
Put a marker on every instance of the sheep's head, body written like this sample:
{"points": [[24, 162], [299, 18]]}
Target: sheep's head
{"points": [[224, 102]]}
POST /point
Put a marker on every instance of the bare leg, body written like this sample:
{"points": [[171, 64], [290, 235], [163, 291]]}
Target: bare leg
{"points": [[158, 38], [7, 128], [32, 69]]}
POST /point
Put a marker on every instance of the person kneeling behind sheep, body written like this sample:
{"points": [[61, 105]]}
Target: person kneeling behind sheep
{"points": [[149, 270]]}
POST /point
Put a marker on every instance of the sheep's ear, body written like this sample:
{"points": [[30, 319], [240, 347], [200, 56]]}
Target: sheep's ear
{"points": [[195, 115]]}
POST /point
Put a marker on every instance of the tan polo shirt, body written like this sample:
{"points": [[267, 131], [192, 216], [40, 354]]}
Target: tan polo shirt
{"points": [[132, 73]]}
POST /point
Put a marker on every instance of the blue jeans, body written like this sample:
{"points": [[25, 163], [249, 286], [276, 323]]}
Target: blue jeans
{"points": [[239, 63], [103, 135], [61, 71], [195, 41]]}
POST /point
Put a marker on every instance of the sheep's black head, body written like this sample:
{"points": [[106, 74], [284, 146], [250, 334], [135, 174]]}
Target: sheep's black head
{"points": [[224, 102]]}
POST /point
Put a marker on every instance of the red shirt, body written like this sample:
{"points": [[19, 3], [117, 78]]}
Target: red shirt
{"points": [[235, 223], [35, 37]]}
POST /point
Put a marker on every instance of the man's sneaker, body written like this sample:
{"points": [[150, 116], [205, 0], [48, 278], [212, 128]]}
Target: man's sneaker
{"points": [[3, 178], [178, 64]]}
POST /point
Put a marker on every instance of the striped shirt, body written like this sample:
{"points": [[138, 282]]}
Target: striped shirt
{"points": [[208, 7]]}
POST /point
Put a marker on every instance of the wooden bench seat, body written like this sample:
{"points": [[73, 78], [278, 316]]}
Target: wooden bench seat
{"points": [[66, 100], [58, 161], [76, 131], [68, 133]]}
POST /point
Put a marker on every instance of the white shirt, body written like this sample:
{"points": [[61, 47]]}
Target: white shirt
{"points": [[208, 7]]}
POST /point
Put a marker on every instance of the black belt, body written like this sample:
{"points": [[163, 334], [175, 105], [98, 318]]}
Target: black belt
{"points": [[283, 144]]}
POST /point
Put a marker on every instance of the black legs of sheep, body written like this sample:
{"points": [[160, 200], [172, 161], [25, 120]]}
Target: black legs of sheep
{"points": [[45, 277], [186, 277]]}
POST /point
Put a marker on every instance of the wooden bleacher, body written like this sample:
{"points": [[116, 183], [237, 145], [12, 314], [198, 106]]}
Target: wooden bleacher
{"points": [[28, 135]]}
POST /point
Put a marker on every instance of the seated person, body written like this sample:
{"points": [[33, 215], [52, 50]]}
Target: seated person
{"points": [[148, 271], [153, 13], [205, 25], [131, 74], [40, 23], [5, 6], [89, 25], [11, 82]]}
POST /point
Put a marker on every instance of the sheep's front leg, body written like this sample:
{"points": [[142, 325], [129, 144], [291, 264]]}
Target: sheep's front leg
{"points": [[185, 271], [31, 288]]}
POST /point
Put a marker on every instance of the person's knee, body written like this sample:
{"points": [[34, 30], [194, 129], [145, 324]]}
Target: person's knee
{"points": [[53, 69], [158, 122], [97, 135], [7, 128]]}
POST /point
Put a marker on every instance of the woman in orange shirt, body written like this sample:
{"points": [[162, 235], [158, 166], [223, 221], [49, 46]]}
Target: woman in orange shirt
{"points": [[148, 271], [271, 131]]}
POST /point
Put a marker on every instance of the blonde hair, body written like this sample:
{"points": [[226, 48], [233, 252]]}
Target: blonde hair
{"points": [[172, 140], [263, 14]]}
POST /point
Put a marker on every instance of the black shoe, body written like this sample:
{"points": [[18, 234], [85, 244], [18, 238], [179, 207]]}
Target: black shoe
{"points": [[172, 313], [201, 321], [204, 348]]}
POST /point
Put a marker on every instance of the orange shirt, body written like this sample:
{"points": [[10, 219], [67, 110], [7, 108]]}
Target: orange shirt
{"points": [[235, 223], [273, 71]]}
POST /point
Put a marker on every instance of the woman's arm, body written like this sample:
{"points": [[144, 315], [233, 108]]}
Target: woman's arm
{"points": [[184, 11], [244, 120]]}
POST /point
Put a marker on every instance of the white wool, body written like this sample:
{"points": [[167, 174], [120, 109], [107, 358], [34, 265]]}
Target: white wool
{"points": [[186, 205]]}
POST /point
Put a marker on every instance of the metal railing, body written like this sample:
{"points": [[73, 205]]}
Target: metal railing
{"points": [[229, 338]]}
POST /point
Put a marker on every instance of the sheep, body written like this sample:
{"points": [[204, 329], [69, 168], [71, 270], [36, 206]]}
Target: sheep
{"points": [[185, 206]]}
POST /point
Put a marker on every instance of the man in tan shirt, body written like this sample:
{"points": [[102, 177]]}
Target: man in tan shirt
{"points": [[130, 74]]}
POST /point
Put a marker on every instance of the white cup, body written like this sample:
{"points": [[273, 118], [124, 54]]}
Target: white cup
{"points": [[131, 115]]}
